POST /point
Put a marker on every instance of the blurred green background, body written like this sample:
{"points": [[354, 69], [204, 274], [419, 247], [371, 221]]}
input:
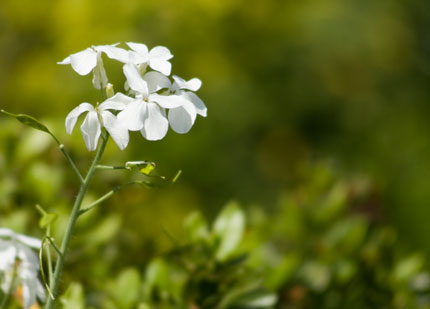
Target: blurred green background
{"points": [[291, 87]]}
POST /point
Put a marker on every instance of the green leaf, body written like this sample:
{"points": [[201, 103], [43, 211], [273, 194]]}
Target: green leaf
{"points": [[316, 275], [248, 295], [73, 298], [332, 205], [145, 167], [256, 300], [196, 226], [280, 273], [104, 231], [407, 267], [127, 288], [156, 278], [228, 229], [31, 122], [47, 218]]}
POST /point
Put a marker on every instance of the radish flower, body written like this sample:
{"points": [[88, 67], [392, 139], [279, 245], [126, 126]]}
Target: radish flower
{"points": [[90, 59], [182, 118], [157, 58], [147, 112], [101, 116], [19, 266]]}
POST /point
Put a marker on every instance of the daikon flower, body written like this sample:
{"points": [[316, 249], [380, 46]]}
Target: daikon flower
{"points": [[98, 117], [19, 266], [147, 112], [90, 59], [182, 118], [157, 58]]}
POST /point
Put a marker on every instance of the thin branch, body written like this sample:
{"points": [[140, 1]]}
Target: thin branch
{"points": [[107, 195], [108, 167], [72, 164]]}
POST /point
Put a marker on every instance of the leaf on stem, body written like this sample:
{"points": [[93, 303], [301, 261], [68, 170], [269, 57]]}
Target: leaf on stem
{"points": [[47, 218], [145, 167], [31, 122], [178, 174]]}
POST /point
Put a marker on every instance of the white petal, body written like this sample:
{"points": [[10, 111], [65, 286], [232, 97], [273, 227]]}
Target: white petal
{"points": [[100, 78], [72, 117], [91, 130], [116, 129], [167, 101], [84, 61], [134, 79], [156, 81], [160, 52], [160, 65], [28, 294], [155, 125], [198, 103], [8, 253], [136, 58], [65, 61], [182, 118], [29, 241], [140, 48], [28, 257], [118, 102], [114, 52], [8, 280], [5, 232], [193, 84], [133, 115]]}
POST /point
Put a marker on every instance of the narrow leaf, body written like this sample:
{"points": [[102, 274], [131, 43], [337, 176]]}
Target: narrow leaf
{"points": [[228, 229], [47, 218], [31, 122]]}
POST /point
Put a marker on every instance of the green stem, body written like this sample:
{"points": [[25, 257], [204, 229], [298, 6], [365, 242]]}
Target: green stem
{"points": [[101, 199], [108, 195], [48, 255], [72, 221], [72, 164], [109, 167]]}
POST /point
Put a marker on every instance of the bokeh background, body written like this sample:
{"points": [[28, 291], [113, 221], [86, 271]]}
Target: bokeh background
{"points": [[299, 94]]}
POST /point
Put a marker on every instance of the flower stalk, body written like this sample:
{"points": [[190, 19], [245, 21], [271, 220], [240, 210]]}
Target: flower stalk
{"points": [[72, 222]]}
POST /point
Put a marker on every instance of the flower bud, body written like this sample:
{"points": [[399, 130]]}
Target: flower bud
{"points": [[109, 90]]}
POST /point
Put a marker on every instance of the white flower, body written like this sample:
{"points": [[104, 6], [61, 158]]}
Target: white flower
{"points": [[182, 118], [98, 117], [19, 266], [90, 59], [157, 58], [146, 113]]}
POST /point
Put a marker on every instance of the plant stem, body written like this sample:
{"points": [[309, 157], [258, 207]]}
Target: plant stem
{"points": [[72, 221], [108, 167], [101, 199], [48, 255], [72, 164], [108, 195]]}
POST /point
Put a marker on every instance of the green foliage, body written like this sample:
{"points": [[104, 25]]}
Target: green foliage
{"points": [[322, 251], [228, 230], [207, 271], [74, 297], [285, 83], [337, 254]]}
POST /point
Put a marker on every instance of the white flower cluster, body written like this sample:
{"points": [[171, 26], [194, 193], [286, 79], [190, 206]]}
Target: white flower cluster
{"points": [[153, 101], [19, 266]]}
